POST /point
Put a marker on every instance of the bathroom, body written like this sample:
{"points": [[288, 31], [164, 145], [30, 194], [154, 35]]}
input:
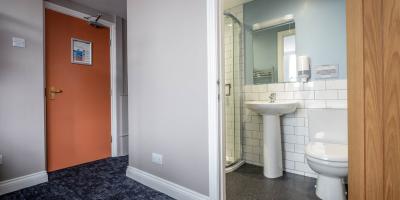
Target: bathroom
{"points": [[290, 54]]}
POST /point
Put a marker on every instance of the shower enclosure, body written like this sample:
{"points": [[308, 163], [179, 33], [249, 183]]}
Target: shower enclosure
{"points": [[233, 88]]}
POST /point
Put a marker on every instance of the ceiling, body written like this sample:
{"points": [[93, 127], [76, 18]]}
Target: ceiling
{"points": [[113, 7], [232, 3]]}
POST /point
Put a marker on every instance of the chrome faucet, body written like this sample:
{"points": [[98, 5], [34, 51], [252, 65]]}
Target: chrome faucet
{"points": [[272, 97]]}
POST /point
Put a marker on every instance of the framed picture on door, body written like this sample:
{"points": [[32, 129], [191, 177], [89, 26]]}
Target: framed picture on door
{"points": [[81, 52]]}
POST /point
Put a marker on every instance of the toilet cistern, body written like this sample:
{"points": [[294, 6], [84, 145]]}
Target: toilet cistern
{"points": [[273, 167]]}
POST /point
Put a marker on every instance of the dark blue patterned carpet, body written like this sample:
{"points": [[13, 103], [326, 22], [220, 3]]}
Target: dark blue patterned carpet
{"points": [[100, 180]]}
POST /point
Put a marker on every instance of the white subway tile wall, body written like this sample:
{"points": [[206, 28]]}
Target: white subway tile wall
{"points": [[321, 94]]}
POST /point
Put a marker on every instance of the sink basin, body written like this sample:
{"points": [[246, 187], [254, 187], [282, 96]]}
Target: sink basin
{"points": [[267, 108], [273, 166]]}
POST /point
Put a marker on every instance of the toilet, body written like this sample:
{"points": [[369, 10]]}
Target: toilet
{"points": [[326, 152]]}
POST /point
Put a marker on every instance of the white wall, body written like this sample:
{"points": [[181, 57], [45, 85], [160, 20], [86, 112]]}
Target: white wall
{"points": [[22, 136], [167, 70]]}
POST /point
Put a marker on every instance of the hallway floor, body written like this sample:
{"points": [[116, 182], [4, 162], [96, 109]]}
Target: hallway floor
{"points": [[100, 180], [249, 183]]}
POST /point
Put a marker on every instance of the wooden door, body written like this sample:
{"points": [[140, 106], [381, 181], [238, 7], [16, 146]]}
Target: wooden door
{"points": [[374, 99], [78, 118]]}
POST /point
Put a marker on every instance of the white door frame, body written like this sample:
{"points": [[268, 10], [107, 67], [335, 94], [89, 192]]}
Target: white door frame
{"points": [[215, 108], [113, 67]]}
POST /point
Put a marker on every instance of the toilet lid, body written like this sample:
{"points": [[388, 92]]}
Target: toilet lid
{"points": [[327, 151]]}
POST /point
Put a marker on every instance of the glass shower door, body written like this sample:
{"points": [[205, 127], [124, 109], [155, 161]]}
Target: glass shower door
{"points": [[232, 91]]}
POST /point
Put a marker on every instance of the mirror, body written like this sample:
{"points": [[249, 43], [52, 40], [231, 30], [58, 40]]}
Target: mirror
{"points": [[274, 54], [278, 33]]}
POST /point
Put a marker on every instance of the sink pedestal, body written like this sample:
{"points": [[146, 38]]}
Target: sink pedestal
{"points": [[272, 146], [272, 133]]}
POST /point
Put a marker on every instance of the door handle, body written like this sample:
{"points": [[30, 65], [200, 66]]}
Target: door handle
{"points": [[53, 91]]}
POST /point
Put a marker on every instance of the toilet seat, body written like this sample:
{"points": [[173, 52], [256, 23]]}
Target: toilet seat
{"points": [[319, 151]]}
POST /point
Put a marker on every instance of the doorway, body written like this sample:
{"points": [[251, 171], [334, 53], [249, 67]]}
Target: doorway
{"points": [[78, 86]]}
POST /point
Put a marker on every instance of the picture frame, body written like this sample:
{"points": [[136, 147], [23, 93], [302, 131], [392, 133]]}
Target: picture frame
{"points": [[81, 52]]}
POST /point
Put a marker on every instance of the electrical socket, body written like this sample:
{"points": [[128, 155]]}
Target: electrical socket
{"points": [[157, 158]]}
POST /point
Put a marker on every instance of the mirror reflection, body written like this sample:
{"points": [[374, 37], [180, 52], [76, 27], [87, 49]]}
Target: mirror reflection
{"points": [[292, 41], [274, 54]]}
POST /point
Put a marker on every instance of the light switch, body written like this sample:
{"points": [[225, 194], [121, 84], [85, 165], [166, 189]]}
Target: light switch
{"points": [[18, 42]]}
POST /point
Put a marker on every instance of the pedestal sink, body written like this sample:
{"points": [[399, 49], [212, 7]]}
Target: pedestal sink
{"points": [[272, 133]]}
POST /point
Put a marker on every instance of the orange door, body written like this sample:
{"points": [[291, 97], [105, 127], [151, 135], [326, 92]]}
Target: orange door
{"points": [[78, 118]]}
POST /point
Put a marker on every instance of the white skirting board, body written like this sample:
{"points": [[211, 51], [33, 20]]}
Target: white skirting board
{"points": [[22, 182], [169, 188]]}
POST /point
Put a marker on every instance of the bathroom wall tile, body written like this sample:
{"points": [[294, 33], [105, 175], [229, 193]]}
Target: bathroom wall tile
{"points": [[254, 158], [326, 94], [306, 140], [276, 87], [251, 141], [256, 149], [263, 96], [336, 84], [252, 96], [290, 139], [284, 95], [299, 121], [295, 172], [289, 147], [336, 104], [287, 130], [287, 121], [252, 126], [299, 148], [314, 85], [303, 167], [248, 88], [303, 95], [301, 112], [300, 104], [298, 157], [301, 130], [342, 94], [260, 88], [313, 175], [288, 164], [299, 139], [247, 149], [256, 119], [315, 104], [293, 86]]}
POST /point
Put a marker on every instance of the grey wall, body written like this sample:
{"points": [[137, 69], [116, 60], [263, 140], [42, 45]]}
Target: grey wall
{"points": [[320, 27], [22, 138], [167, 70]]}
